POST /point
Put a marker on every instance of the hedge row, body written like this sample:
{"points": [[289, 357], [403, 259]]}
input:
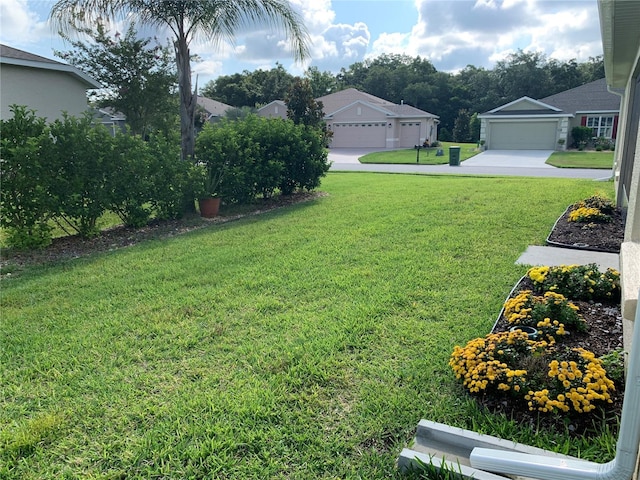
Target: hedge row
{"points": [[70, 171]]}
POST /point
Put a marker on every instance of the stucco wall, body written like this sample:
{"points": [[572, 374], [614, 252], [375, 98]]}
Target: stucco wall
{"points": [[48, 92]]}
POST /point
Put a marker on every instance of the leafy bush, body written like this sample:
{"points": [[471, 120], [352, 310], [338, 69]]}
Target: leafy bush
{"points": [[581, 136], [80, 156], [71, 171], [260, 155], [25, 200], [579, 282], [172, 180], [596, 201], [548, 379]]}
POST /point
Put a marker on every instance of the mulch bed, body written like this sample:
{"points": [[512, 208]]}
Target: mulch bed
{"points": [[604, 332], [66, 248], [600, 237]]}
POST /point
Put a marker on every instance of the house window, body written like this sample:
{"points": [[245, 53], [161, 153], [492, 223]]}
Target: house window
{"points": [[601, 126]]}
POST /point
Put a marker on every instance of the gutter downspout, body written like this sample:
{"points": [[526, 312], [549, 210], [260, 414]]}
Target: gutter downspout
{"points": [[615, 169], [622, 467]]}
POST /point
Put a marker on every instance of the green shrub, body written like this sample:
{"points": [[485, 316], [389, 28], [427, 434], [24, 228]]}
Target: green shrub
{"points": [[577, 282], [25, 198], [81, 157], [173, 181], [260, 156], [130, 181], [613, 363], [581, 136], [596, 201]]}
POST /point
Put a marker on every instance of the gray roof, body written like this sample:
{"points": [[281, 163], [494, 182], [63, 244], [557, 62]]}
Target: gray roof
{"points": [[9, 52], [213, 107], [335, 101], [590, 97]]}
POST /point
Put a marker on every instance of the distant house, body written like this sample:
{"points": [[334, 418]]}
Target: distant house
{"points": [[213, 109], [360, 120], [275, 109], [546, 124], [46, 86], [114, 121]]}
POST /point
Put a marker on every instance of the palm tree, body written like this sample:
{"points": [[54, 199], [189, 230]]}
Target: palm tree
{"points": [[216, 20]]}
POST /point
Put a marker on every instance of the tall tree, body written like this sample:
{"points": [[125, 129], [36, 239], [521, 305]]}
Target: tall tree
{"points": [[216, 20], [138, 78], [524, 74], [302, 108], [322, 83]]}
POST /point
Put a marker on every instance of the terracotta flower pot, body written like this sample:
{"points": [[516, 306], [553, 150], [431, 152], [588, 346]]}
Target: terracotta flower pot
{"points": [[209, 207]]}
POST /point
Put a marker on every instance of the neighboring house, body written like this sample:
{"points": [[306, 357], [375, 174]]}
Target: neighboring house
{"points": [[115, 121], [619, 22], [46, 86], [213, 109], [275, 109], [546, 124], [360, 120]]}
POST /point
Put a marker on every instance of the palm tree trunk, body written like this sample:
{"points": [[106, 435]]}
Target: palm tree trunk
{"points": [[188, 99]]}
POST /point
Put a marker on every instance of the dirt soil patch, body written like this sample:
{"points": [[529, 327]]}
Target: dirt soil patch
{"points": [[601, 236]]}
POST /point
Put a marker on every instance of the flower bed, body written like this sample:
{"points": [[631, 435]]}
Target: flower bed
{"points": [[591, 224], [571, 370]]}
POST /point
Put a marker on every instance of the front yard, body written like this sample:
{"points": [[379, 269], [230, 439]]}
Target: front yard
{"points": [[582, 159], [427, 156], [306, 342]]}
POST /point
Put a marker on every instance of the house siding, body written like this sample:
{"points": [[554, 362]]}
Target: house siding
{"points": [[48, 92]]}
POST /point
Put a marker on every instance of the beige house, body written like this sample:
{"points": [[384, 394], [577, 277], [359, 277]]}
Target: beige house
{"points": [[46, 86], [275, 109], [619, 20], [546, 124], [360, 120]]}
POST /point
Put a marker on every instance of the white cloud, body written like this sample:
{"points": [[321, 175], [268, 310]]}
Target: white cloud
{"points": [[19, 25], [453, 34]]}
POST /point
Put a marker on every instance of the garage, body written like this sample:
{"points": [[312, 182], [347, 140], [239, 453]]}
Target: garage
{"points": [[409, 134], [359, 135], [522, 135]]}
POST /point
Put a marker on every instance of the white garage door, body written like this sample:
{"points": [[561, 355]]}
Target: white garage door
{"points": [[360, 135], [409, 134], [523, 136]]}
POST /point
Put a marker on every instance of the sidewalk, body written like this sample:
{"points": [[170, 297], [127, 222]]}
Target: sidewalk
{"points": [[553, 256]]}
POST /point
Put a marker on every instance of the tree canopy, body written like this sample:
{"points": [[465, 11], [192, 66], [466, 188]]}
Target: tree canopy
{"points": [[214, 20], [139, 79], [415, 81]]}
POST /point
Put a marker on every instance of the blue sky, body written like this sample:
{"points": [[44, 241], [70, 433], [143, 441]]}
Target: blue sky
{"points": [[450, 33]]}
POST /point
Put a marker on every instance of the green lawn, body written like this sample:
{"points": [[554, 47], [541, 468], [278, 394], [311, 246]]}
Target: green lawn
{"points": [[302, 343], [427, 155], [584, 159]]}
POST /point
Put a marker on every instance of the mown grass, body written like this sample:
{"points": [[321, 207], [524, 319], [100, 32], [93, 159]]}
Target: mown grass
{"points": [[427, 155], [582, 159], [303, 343]]}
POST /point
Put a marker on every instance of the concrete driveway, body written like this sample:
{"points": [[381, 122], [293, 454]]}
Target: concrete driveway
{"points": [[510, 158], [526, 163], [350, 155]]}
